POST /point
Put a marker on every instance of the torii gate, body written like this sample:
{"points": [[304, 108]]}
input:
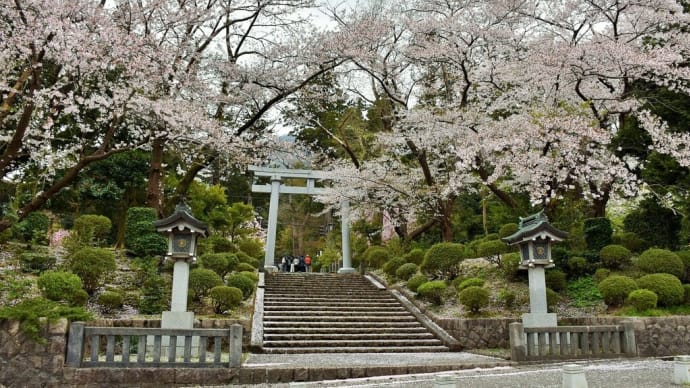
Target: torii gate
{"points": [[276, 188]]}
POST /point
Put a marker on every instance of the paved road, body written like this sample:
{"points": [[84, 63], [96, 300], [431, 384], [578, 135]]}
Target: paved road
{"points": [[645, 373]]}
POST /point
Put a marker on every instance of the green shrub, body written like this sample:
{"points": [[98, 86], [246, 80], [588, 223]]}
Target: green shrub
{"points": [[245, 267], [36, 262], [555, 280], [615, 256], [433, 291], [474, 298], [154, 298], [225, 298], [666, 286], [560, 256], [92, 265], [61, 286], [216, 243], [91, 229], [376, 256], [578, 266], [601, 274], [251, 246], [552, 299], [642, 299], [471, 282], [598, 233], [654, 223], [141, 237], [614, 289], [110, 300], [417, 280], [415, 256], [507, 298], [242, 282], [406, 271], [655, 260], [392, 265], [686, 299], [508, 229], [201, 280], [491, 237], [631, 241], [245, 258], [29, 312], [443, 258], [33, 228], [510, 266], [685, 258], [216, 262], [492, 250], [251, 275]]}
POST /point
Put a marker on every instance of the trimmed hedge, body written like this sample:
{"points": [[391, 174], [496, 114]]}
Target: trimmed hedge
{"points": [[655, 260], [392, 265], [601, 274], [141, 237], [555, 280], [62, 286], [433, 291], [376, 256], [245, 267], [245, 284], [224, 298], [110, 300], [578, 266], [406, 271], [471, 282], [642, 299], [216, 262], [417, 280], [508, 229], [443, 258], [415, 256], [474, 298], [666, 286], [615, 256], [202, 280], [36, 262], [92, 265], [614, 289]]}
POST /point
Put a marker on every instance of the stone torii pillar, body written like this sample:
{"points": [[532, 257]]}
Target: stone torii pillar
{"points": [[276, 187]]}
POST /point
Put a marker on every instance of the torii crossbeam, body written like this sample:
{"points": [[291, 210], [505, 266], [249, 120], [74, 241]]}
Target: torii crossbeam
{"points": [[276, 187]]}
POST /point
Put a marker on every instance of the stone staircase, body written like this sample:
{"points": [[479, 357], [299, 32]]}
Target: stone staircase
{"points": [[337, 313]]}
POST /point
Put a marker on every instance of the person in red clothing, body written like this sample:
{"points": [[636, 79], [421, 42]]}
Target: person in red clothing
{"points": [[307, 262]]}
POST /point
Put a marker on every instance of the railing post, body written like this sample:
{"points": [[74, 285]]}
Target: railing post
{"points": [[518, 349], [629, 339], [235, 341], [75, 344]]}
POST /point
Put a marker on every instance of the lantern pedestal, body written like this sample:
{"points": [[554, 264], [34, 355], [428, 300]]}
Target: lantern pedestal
{"points": [[538, 307]]}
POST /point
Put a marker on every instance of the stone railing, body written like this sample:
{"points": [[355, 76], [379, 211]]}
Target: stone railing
{"points": [[572, 342], [153, 347]]}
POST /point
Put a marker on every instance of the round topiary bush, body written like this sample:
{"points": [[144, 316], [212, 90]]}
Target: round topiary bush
{"points": [[415, 256], [443, 258], [508, 229], [655, 260], [666, 286], [492, 250], [392, 265], [202, 280], [631, 241], [251, 275], [555, 280], [433, 291], [474, 298], [36, 262], [216, 262], [110, 300], [578, 266], [615, 256], [376, 256], [552, 299], [417, 280], [685, 258], [601, 274], [60, 286], [686, 299], [245, 258], [406, 271], [244, 267], [92, 228], [225, 298], [92, 265], [614, 289], [242, 282], [471, 282], [642, 299]]}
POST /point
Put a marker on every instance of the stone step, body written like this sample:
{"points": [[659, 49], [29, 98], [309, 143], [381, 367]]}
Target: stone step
{"points": [[358, 349], [328, 302], [346, 336], [319, 290], [349, 317], [351, 343], [318, 315], [345, 330], [340, 324], [335, 309]]}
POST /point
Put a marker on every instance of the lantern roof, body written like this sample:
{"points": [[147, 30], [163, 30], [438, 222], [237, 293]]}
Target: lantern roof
{"points": [[534, 227], [182, 218]]}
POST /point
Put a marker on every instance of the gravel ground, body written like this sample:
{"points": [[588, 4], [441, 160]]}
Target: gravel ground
{"points": [[646, 373]]}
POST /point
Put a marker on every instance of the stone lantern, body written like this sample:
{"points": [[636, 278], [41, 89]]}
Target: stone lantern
{"points": [[183, 231], [534, 238]]}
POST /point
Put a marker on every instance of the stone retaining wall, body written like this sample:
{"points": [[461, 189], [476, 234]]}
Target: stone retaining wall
{"points": [[655, 336]]}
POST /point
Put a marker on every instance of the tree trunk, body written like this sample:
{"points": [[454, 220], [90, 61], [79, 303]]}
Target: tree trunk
{"points": [[154, 191]]}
